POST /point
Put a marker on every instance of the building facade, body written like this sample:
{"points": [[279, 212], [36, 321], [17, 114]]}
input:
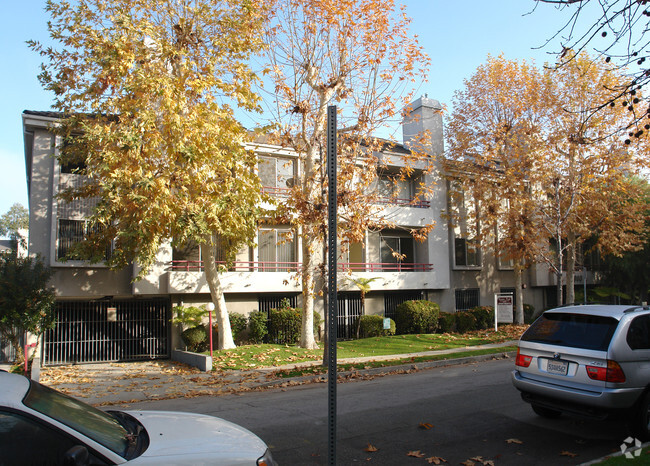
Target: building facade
{"points": [[104, 314]]}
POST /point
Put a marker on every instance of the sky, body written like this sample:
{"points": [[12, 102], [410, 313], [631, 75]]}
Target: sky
{"points": [[458, 36]]}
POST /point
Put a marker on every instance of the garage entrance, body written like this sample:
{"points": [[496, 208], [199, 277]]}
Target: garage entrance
{"points": [[108, 330]]}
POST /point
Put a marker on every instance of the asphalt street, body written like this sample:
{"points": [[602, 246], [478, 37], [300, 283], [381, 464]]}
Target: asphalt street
{"points": [[461, 413]]}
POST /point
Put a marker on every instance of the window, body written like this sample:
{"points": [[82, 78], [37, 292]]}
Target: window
{"points": [[638, 335], [276, 250], [468, 298], [467, 252], [70, 160], [397, 251], [26, 441], [276, 174], [572, 330], [71, 233], [188, 255]]}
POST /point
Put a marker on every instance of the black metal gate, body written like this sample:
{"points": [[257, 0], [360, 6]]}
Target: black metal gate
{"points": [[349, 309], [108, 330]]}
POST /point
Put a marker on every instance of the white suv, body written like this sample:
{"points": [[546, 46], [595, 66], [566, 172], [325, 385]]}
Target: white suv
{"points": [[591, 360]]}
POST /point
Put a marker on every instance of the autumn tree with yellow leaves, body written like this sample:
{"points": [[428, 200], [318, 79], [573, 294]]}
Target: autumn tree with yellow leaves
{"points": [[359, 56], [540, 160], [494, 136], [147, 89]]}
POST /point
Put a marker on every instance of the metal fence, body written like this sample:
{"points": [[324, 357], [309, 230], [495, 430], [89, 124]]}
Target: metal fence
{"points": [[349, 310], [394, 299], [108, 330]]}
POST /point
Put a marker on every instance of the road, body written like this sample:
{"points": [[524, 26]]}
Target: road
{"points": [[473, 410]]}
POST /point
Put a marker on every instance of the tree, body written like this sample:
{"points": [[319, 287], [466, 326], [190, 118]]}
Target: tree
{"points": [[358, 55], [13, 221], [26, 301], [615, 30], [494, 134], [587, 169], [147, 90]]}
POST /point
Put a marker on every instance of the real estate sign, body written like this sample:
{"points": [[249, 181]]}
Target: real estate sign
{"points": [[503, 307]]}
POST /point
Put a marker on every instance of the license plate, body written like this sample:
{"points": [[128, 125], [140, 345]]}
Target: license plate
{"points": [[557, 367]]}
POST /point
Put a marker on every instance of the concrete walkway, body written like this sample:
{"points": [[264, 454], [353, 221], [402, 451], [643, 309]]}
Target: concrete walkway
{"points": [[124, 383]]}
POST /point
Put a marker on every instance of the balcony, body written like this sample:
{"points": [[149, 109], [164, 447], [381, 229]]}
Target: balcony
{"points": [[188, 277], [249, 266]]}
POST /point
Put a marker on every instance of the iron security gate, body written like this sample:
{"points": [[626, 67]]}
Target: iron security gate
{"points": [[349, 309], [108, 330], [395, 298]]}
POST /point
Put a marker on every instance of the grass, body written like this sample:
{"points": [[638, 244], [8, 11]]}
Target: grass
{"points": [[248, 357], [643, 458]]}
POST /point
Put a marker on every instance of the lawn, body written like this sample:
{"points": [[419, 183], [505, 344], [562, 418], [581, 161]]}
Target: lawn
{"points": [[268, 355]]}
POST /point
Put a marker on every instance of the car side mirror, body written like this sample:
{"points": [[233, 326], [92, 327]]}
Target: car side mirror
{"points": [[76, 456]]}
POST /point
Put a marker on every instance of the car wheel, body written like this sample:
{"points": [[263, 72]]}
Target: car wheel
{"points": [[640, 422], [546, 412]]}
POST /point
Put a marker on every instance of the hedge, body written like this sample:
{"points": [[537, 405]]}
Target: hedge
{"points": [[373, 326], [418, 316]]}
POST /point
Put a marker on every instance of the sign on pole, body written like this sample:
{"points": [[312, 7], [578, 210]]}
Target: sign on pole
{"points": [[503, 307]]}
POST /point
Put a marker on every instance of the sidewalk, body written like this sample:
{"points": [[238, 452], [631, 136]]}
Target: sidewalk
{"points": [[123, 383]]}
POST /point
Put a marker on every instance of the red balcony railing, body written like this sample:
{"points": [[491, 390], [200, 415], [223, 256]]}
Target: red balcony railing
{"points": [[419, 203], [248, 266]]}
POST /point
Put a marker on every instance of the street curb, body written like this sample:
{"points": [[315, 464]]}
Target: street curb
{"points": [[613, 455], [397, 369]]}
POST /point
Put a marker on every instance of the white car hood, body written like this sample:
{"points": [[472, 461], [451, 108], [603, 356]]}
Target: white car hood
{"points": [[184, 437]]}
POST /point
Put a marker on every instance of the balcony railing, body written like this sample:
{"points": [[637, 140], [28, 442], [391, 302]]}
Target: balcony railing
{"points": [[248, 266], [419, 203]]}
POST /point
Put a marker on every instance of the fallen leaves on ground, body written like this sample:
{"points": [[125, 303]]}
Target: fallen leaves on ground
{"points": [[514, 440], [416, 454], [370, 448], [568, 453], [425, 425], [436, 460]]}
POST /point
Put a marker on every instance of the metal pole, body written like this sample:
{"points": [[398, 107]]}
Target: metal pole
{"points": [[210, 309], [331, 282]]}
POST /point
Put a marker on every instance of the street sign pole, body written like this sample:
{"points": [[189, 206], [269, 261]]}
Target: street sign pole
{"points": [[331, 284]]}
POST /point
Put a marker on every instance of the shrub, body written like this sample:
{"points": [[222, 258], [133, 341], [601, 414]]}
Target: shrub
{"points": [[484, 316], [417, 317], [317, 321], [195, 338], [284, 325], [529, 313], [238, 324], [189, 317], [373, 326], [465, 321], [257, 323], [447, 322]]}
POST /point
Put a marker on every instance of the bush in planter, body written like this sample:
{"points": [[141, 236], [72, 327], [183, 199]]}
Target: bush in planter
{"points": [[195, 338], [447, 322], [257, 323], [418, 316], [484, 317], [373, 326]]}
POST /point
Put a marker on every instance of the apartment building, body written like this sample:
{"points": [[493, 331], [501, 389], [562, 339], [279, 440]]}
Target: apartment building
{"points": [[105, 315]]}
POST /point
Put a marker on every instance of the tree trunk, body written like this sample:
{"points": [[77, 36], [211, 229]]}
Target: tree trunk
{"points": [[307, 328], [225, 340], [570, 268], [519, 311]]}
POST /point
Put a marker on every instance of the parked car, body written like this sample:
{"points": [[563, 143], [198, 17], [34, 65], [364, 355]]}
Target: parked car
{"points": [[39, 425], [591, 360]]}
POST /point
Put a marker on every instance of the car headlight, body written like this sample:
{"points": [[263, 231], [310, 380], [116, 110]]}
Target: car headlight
{"points": [[266, 459]]}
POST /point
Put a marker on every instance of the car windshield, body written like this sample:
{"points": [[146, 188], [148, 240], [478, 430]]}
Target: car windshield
{"points": [[91, 422], [573, 330]]}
